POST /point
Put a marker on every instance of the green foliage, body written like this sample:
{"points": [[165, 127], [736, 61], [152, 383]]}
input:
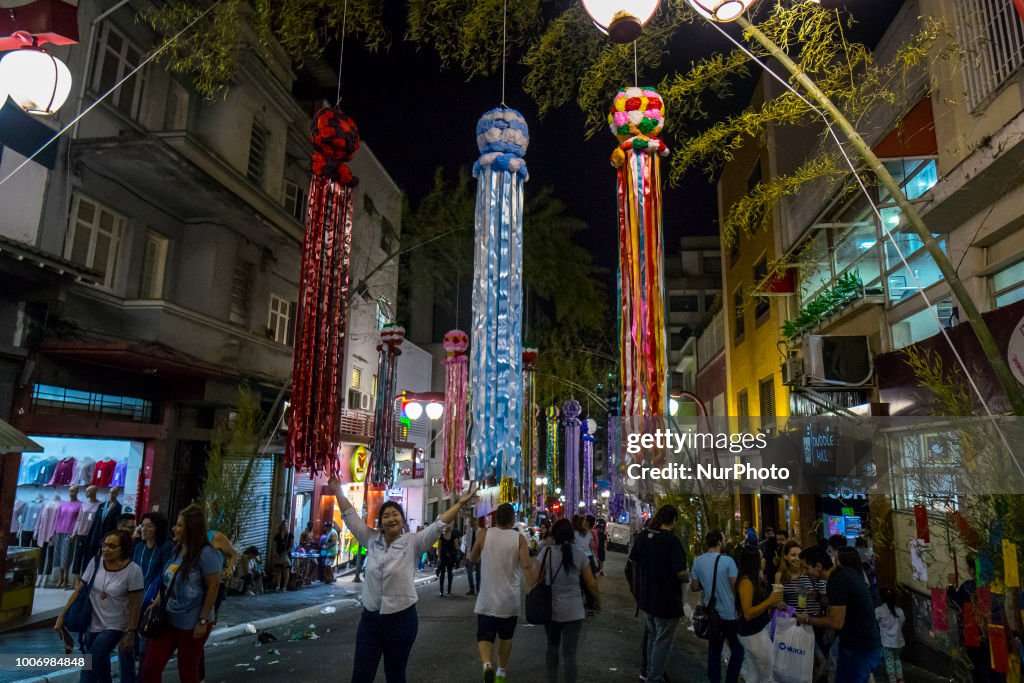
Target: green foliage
{"points": [[847, 289], [226, 490]]}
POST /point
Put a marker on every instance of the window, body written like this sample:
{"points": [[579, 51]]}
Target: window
{"points": [[382, 315], [1008, 285], [357, 376], [51, 400], [993, 34], [683, 303], [387, 235], [737, 303], [295, 201], [116, 57], [94, 239], [762, 305], [766, 398], [279, 321], [373, 387], [257, 152], [176, 112], [743, 412], [712, 265], [709, 301], [922, 325], [154, 259], [241, 285]]}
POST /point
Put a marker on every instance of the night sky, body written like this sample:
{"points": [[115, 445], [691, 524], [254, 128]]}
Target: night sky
{"points": [[417, 117]]}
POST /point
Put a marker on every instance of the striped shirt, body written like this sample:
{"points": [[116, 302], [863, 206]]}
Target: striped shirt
{"points": [[814, 590]]}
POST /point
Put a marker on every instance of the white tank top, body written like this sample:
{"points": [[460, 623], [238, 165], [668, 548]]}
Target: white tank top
{"points": [[499, 574]]}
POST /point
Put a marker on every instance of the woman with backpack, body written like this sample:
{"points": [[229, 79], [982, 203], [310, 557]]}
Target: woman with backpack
{"points": [[115, 586], [563, 566]]}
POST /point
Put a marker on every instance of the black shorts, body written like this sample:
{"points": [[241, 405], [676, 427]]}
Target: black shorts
{"points": [[488, 628]]}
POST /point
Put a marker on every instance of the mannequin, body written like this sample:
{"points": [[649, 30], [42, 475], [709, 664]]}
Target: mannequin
{"points": [[44, 536], [29, 520], [67, 519], [105, 522], [80, 534]]}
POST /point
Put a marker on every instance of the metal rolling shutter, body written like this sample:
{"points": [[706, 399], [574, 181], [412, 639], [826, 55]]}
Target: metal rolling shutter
{"points": [[255, 528]]}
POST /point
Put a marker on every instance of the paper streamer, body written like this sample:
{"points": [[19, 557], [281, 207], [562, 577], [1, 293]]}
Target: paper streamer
{"points": [[1011, 571], [496, 362], [940, 615], [998, 648], [636, 119], [314, 429], [571, 429], [551, 463], [617, 502], [588, 466], [456, 363], [972, 631], [529, 464], [382, 460], [921, 522], [984, 602]]}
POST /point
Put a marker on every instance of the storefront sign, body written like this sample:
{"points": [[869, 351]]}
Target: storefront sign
{"points": [[359, 462]]}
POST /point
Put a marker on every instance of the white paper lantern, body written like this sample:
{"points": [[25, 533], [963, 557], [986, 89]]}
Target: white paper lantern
{"points": [[622, 20], [721, 10], [37, 81]]}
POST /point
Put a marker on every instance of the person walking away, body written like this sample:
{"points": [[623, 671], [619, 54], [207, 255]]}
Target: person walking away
{"points": [[447, 556], [388, 624], [755, 613], [850, 612], [602, 547], [658, 571], [115, 597], [890, 624], [280, 556], [191, 581], [505, 556], [472, 568], [562, 565], [705, 575], [584, 541], [152, 554]]}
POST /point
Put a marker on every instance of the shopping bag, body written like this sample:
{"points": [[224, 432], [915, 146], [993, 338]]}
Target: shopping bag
{"points": [[793, 661]]}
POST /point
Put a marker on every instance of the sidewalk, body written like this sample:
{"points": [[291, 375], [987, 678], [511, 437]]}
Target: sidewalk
{"points": [[236, 615]]}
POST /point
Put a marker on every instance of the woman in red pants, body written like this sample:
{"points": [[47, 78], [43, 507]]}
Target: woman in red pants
{"points": [[190, 581]]}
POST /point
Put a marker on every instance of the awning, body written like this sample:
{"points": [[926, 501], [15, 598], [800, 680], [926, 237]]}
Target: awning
{"points": [[13, 441]]}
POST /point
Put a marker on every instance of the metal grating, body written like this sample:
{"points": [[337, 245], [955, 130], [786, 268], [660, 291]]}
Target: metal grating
{"points": [[993, 34]]}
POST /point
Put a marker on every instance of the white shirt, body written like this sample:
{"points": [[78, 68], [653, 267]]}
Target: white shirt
{"points": [[469, 540], [499, 594], [390, 570], [109, 595], [890, 627]]}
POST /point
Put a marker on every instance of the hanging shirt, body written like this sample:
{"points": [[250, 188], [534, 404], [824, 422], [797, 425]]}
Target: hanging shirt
{"points": [[103, 473], [67, 517], [30, 518], [62, 473], [45, 472], [85, 519], [47, 520], [19, 510], [27, 472], [120, 474], [84, 471]]}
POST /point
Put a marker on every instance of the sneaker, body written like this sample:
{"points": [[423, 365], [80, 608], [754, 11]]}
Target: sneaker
{"points": [[642, 677], [470, 592], [489, 675]]}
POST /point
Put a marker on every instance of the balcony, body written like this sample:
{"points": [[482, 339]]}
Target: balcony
{"points": [[357, 425]]}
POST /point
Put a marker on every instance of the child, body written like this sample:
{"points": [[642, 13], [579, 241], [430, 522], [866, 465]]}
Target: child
{"points": [[890, 623]]}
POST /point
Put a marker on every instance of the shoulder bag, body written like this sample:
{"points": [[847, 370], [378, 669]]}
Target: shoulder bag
{"points": [[79, 615], [538, 600], [155, 618], [707, 622]]}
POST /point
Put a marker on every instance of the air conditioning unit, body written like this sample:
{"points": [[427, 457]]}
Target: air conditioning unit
{"points": [[837, 361], [365, 401], [793, 371]]}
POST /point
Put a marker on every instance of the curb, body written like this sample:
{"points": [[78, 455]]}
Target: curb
{"points": [[227, 633]]}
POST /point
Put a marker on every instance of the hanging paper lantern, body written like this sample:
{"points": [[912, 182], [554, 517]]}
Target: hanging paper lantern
{"points": [[528, 464], [637, 117], [588, 462], [382, 464], [551, 463], [495, 371], [617, 503], [314, 429], [456, 343], [571, 424]]}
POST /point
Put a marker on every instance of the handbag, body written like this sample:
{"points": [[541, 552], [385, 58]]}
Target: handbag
{"points": [[155, 619], [707, 622], [538, 600], [78, 616], [793, 660]]}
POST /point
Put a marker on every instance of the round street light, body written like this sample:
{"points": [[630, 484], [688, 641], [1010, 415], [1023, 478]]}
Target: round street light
{"points": [[37, 81], [721, 10], [606, 494], [558, 490], [413, 410], [622, 20], [673, 407], [435, 410]]}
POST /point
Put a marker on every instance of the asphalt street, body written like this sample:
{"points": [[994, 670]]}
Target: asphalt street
{"points": [[446, 647]]}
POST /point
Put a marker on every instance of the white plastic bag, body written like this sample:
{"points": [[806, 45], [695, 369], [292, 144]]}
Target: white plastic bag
{"points": [[793, 661]]}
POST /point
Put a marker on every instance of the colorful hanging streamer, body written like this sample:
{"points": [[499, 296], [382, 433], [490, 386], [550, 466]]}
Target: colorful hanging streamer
{"points": [[588, 463], [382, 462], [571, 428], [617, 503], [456, 343], [313, 426], [529, 464], [551, 462], [637, 117], [496, 362]]}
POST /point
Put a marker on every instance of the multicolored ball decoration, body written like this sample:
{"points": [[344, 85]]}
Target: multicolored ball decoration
{"points": [[335, 139], [456, 343], [496, 363], [636, 119], [314, 425]]}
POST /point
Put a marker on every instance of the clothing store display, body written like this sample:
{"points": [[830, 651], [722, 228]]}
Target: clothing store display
{"points": [[46, 471], [62, 473], [30, 518], [84, 472], [104, 523], [19, 511], [80, 535], [26, 474], [103, 473], [120, 474], [47, 519], [67, 517]]}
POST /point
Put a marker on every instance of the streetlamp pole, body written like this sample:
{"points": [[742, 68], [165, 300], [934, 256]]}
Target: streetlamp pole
{"points": [[985, 339]]}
